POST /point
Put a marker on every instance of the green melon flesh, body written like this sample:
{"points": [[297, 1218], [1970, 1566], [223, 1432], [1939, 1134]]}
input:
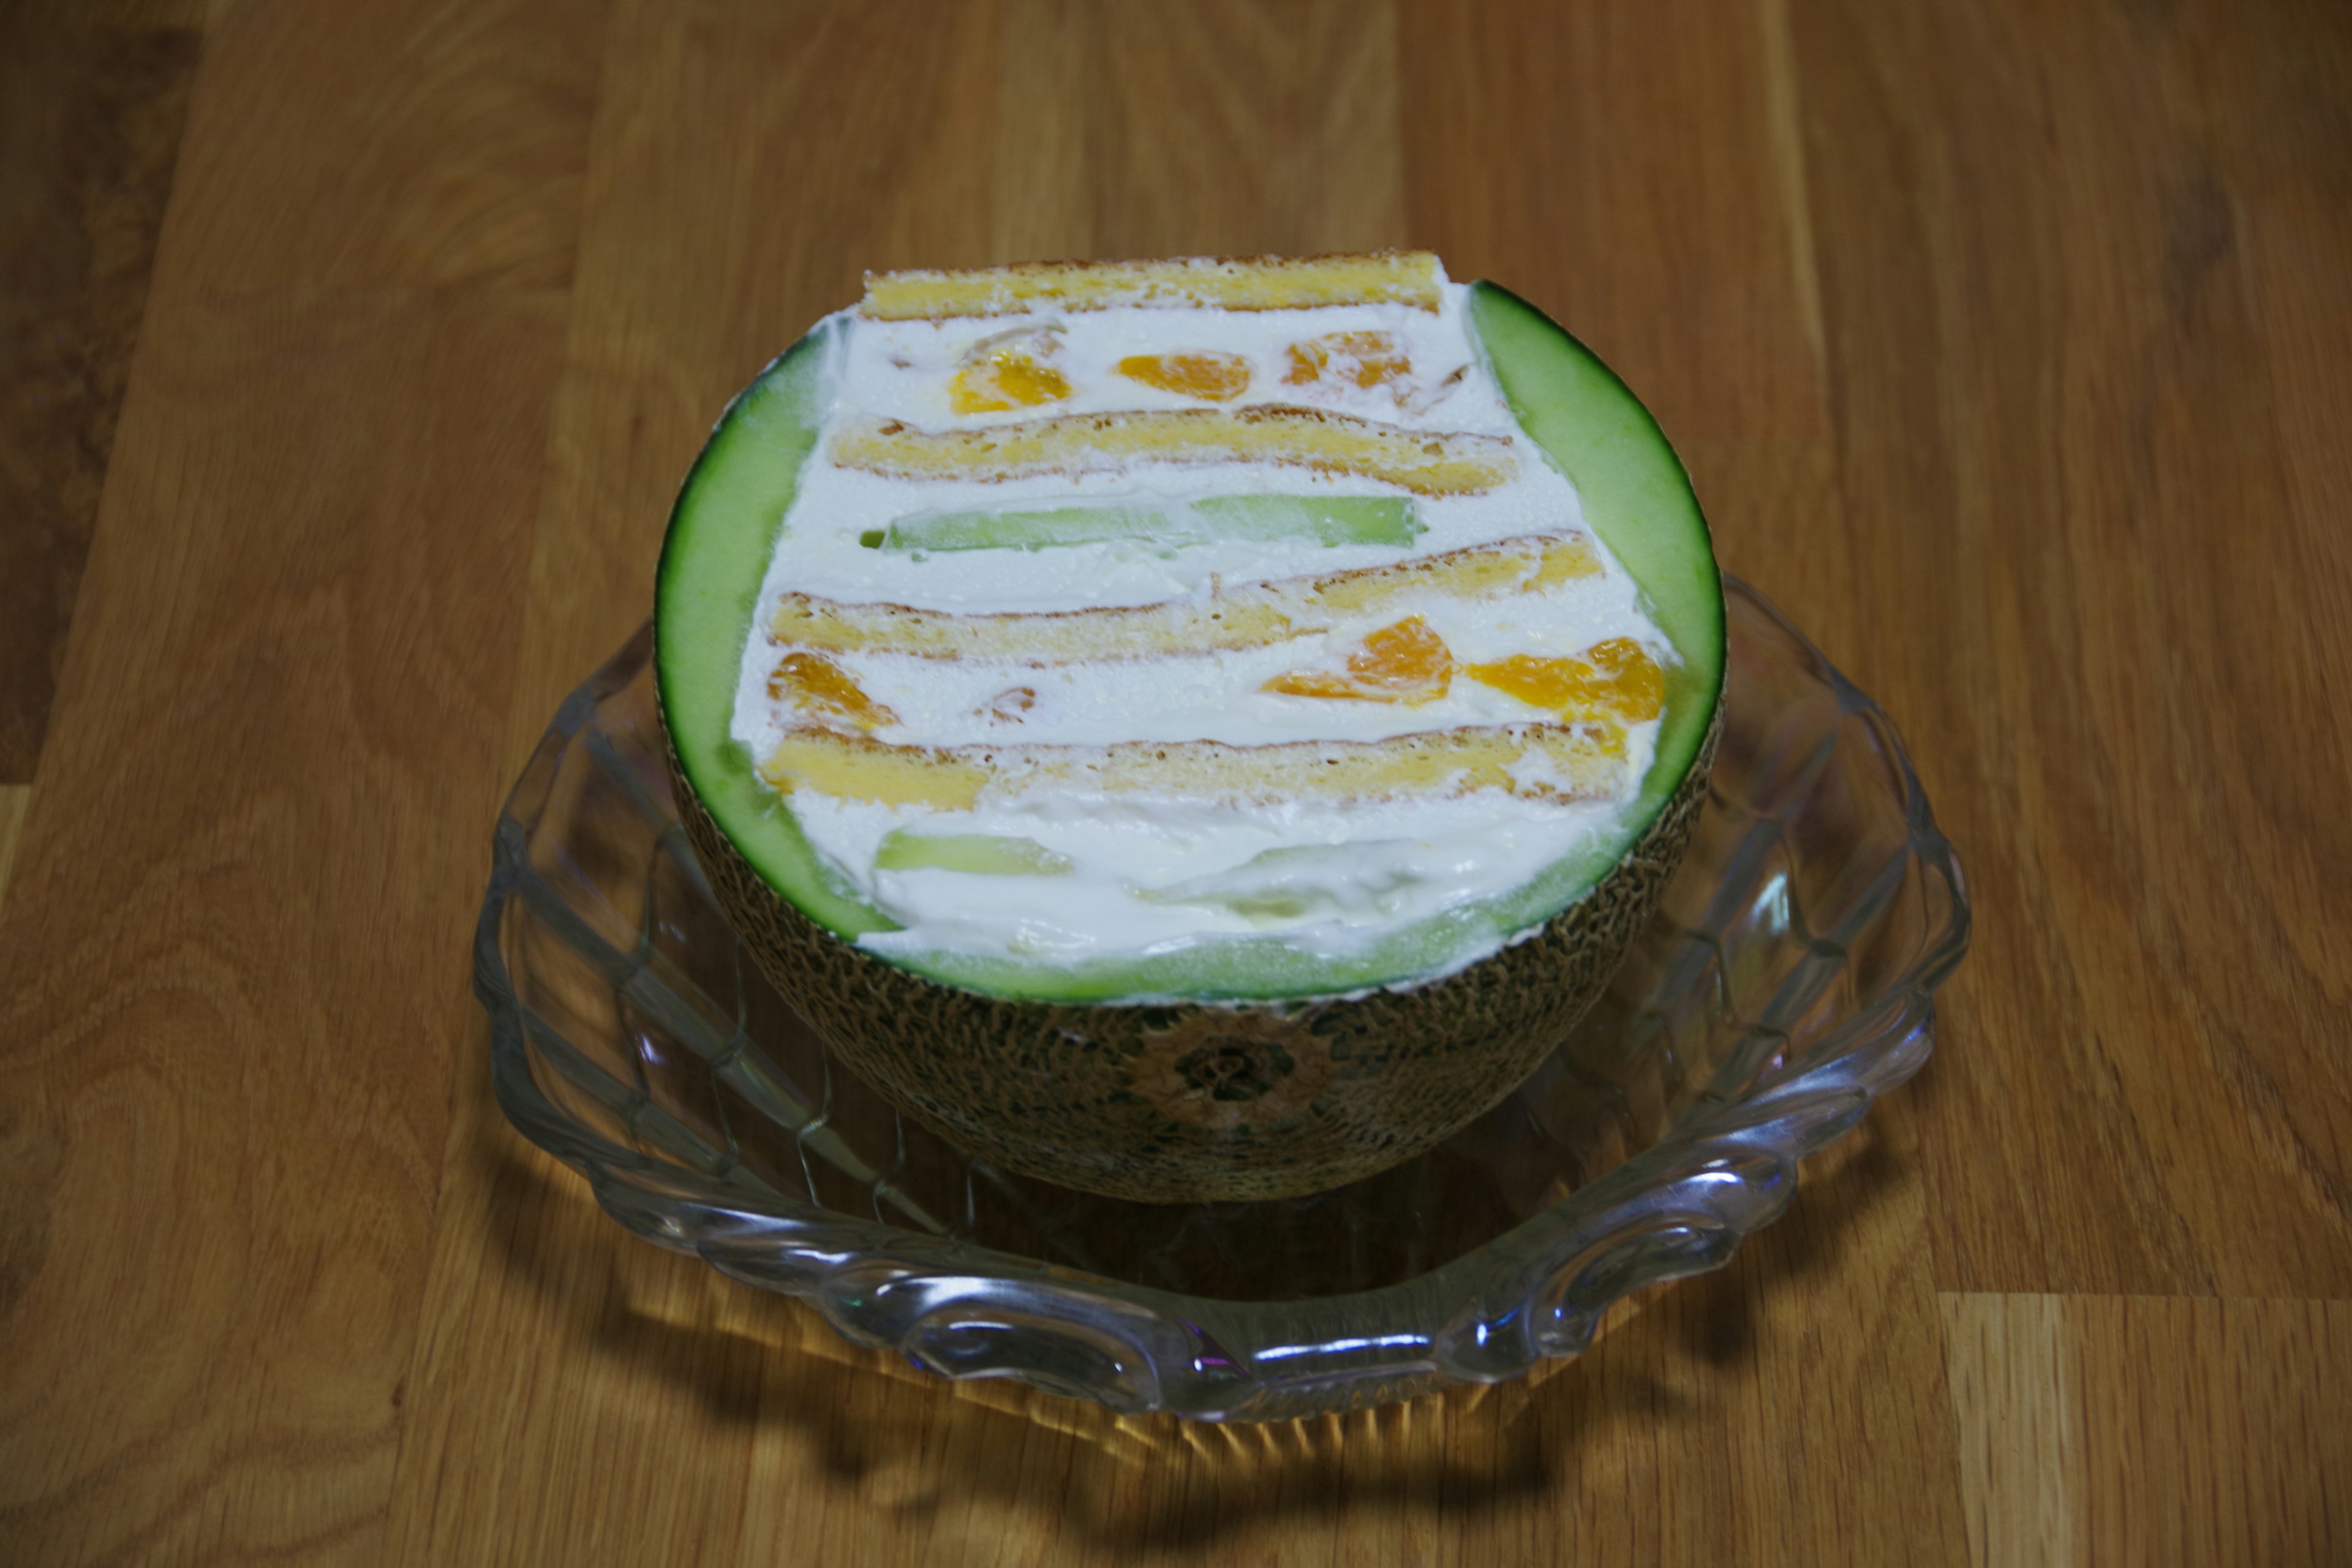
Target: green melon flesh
{"points": [[1635, 496], [1320, 520], [974, 853]]}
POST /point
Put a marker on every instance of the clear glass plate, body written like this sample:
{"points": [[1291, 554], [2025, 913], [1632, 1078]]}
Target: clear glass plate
{"points": [[1787, 980]]}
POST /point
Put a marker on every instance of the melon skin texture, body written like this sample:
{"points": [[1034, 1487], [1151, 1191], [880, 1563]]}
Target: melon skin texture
{"points": [[1210, 1100], [1201, 1101]]}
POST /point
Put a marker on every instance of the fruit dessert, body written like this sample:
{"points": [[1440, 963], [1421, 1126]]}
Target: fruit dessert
{"points": [[1194, 728]]}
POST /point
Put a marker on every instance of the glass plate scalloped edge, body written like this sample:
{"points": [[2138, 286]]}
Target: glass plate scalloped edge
{"points": [[1795, 1070]]}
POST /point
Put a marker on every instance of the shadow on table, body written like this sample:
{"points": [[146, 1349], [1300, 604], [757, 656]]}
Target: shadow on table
{"points": [[999, 1458]]}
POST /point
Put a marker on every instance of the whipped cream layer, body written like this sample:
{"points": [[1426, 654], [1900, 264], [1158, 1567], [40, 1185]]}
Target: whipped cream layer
{"points": [[1102, 874]]}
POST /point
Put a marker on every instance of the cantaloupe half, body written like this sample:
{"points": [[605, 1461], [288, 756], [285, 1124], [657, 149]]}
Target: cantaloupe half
{"points": [[1240, 1067]]}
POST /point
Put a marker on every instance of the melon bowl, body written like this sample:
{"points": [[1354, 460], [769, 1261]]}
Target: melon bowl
{"points": [[1117, 1083], [1785, 979], [1178, 1102]]}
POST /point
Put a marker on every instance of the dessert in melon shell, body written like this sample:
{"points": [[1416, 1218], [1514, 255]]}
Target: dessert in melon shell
{"points": [[1189, 729]]}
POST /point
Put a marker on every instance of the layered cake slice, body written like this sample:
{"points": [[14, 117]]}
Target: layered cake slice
{"points": [[1140, 705]]}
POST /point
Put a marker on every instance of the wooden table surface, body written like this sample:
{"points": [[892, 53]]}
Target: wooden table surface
{"points": [[351, 353]]}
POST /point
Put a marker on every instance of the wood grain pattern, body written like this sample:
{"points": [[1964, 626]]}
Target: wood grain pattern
{"points": [[2008, 348], [240, 947], [2016, 1406], [2214, 1431], [2056, 404], [89, 131], [13, 798], [2129, 1429], [122, 15], [401, 147], [239, 1014]]}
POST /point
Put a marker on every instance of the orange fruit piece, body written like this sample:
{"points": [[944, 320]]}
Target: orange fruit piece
{"points": [[813, 681], [1366, 359], [1315, 683], [1406, 662], [1616, 676], [1406, 659], [1210, 374], [1010, 369]]}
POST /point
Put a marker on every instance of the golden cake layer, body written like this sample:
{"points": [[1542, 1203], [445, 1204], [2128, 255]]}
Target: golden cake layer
{"points": [[1537, 761], [1223, 283], [1425, 462], [1252, 616]]}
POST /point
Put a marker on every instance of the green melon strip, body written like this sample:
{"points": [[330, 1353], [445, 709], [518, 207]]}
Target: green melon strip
{"points": [[1322, 520], [974, 853]]}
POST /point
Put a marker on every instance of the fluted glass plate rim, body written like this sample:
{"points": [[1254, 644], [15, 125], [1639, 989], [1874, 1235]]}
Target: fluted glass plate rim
{"points": [[1725, 1168]]}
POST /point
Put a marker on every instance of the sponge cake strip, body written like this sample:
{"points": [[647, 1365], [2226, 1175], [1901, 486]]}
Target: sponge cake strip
{"points": [[1254, 616], [1251, 619], [1530, 564], [1425, 462], [1541, 761], [1224, 283]]}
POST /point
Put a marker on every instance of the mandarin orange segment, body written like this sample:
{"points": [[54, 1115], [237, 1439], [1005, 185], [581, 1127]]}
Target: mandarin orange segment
{"points": [[1314, 683], [813, 681], [1010, 369], [1006, 380], [1617, 677], [1637, 686], [1210, 374], [1406, 662], [1539, 682], [1406, 659], [1365, 359]]}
